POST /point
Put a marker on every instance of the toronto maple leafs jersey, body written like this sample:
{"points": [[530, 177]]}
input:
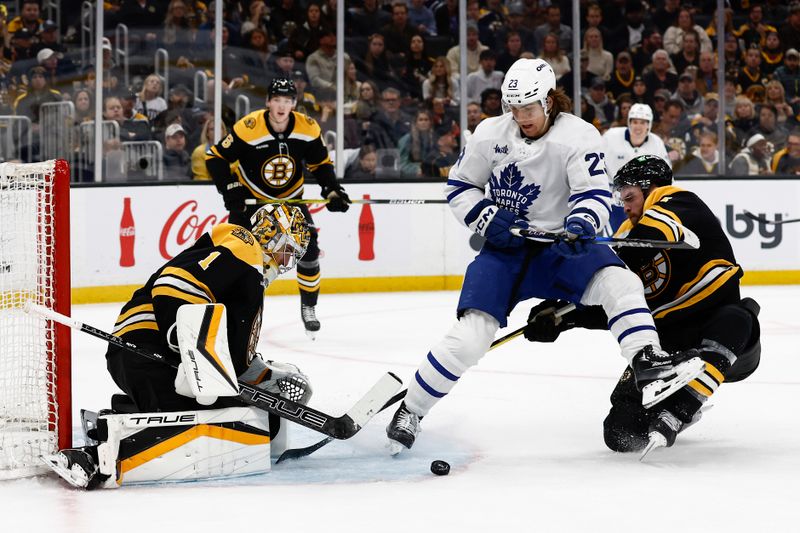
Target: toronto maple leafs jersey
{"points": [[619, 149], [543, 180]]}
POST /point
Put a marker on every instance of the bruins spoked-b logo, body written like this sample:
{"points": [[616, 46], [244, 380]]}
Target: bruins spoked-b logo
{"points": [[278, 170], [655, 275]]}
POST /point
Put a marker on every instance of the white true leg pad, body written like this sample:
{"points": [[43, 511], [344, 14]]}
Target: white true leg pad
{"points": [[184, 445], [619, 291], [463, 346]]}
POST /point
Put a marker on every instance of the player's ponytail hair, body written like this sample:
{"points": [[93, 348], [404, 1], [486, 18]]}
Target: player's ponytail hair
{"points": [[561, 103]]}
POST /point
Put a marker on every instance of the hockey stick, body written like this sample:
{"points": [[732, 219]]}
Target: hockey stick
{"points": [[390, 201], [690, 242], [297, 453], [764, 220], [342, 427]]}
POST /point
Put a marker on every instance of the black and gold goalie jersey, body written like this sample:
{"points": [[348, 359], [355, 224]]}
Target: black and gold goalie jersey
{"points": [[268, 163], [680, 284], [225, 266]]}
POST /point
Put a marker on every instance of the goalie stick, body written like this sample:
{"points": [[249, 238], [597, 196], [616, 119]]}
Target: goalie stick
{"points": [[690, 242], [342, 427], [764, 220], [297, 453]]}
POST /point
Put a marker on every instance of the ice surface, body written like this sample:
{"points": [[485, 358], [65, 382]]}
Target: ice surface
{"points": [[522, 432]]}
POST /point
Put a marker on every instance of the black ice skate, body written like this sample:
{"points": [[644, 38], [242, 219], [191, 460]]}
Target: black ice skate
{"points": [[662, 432], [402, 429], [77, 467], [307, 313], [659, 374]]}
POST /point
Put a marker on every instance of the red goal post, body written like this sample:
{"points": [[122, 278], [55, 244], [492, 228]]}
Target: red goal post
{"points": [[35, 353]]}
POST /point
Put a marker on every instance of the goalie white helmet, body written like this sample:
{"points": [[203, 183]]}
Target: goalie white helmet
{"points": [[282, 231], [528, 81], [643, 112]]}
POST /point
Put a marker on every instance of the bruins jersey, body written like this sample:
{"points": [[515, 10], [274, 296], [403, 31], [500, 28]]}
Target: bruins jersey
{"points": [[225, 266], [268, 163], [678, 284]]}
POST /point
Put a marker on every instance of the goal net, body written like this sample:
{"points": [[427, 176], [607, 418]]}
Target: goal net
{"points": [[35, 411]]}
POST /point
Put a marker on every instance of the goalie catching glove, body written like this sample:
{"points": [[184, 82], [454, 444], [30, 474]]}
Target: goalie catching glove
{"points": [[279, 378]]}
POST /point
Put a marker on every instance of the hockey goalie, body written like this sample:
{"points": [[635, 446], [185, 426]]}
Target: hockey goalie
{"points": [[202, 309]]}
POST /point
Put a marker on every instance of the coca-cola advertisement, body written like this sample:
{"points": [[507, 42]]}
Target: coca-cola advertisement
{"points": [[127, 236]]}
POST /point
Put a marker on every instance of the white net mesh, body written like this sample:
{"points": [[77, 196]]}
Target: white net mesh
{"points": [[28, 410]]}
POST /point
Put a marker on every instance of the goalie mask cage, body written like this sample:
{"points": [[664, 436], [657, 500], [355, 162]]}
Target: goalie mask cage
{"points": [[35, 410]]}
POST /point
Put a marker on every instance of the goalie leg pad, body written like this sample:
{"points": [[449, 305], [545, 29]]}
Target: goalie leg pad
{"points": [[183, 446], [463, 346]]}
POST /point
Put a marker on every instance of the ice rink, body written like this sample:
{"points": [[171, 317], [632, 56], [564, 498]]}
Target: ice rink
{"points": [[522, 431]]}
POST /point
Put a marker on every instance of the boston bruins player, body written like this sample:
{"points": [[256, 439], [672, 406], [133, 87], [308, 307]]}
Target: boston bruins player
{"points": [[693, 296], [269, 149], [231, 266]]}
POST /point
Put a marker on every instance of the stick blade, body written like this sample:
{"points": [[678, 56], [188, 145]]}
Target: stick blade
{"points": [[374, 400]]}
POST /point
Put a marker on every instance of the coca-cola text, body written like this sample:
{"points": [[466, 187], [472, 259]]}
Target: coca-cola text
{"points": [[184, 227]]}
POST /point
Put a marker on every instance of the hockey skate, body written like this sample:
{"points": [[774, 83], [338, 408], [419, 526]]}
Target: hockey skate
{"points": [[76, 467], [307, 313], [662, 432], [659, 374], [402, 429]]}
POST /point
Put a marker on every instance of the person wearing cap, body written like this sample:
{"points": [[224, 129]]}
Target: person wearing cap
{"points": [[48, 38], [707, 120], [753, 159], [789, 75], [39, 92], [28, 18], [660, 76], [177, 162], [768, 126], [598, 99], [687, 95], [22, 47], [623, 75]]}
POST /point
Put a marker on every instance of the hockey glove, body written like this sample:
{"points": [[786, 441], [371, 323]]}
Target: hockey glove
{"points": [[338, 201], [578, 236], [234, 196], [495, 224], [543, 324]]}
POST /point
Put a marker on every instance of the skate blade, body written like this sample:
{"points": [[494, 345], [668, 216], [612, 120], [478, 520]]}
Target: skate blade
{"points": [[395, 447], [658, 390], [76, 479], [311, 334], [657, 440]]}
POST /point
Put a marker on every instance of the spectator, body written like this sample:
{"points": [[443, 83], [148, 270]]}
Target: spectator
{"points": [[306, 100], [444, 117], [473, 116], [128, 101], [639, 92], [689, 55], [283, 11], [129, 129], [660, 76], [398, 33], [370, 17], [601, 62], [659, 101], [389, 123], [789, 32], [492, 19], [368, 101], [603, 107], [553, 25], [142, 15], [752, 160], [670, 129], [199, 170], [515, 18], [512, 52], [415, 145], [706, 80], [351, 86], [789, 75], [441, 84], [440, 160], [375, 64], [734, 60], [321, 64], [151, 103], [418, 66], [326, 99], [554, 56], [666, 15], [178, 34], [48, 38], [744, 116], [673, 37], [257, 59], [750, 74], [283, 64], [257, 19], [704, 158], [420, 17], [787, 161], [304, 40], [486, 77], [22, 50], [84, 106], [446, 16], [622, 77], [707, 120], [566, 82], [58, 72], [642, 55], [771, 54], [28, 18], [594, 19], [329, 13], [363, 168], [474, 49], [177, 162], [688, 96], [768, 127], [491, 103], [754, 31], [776, 96], [623, 104], [629, 34]]}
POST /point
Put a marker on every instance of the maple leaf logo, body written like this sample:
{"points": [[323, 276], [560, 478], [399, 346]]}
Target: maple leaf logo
{"points": [[508, 190]]}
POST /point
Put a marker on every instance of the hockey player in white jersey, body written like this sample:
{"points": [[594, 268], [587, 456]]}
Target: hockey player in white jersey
{"points": [[623, 144], [544, 168]]}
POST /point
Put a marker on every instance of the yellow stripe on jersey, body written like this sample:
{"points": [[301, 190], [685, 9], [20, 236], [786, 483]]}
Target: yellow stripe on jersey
{"points": [[686, 287], [144, 308], [144, 324], [663, 210], [194, 432], [665, 229], [214, 153], [706, 288], [173, 292], [326, 161], [240, 242], [187, 276]]}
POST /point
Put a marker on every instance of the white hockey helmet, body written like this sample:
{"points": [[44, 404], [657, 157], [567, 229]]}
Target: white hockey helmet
{"points": [[643, 112], [528, 81], [282, 232]]}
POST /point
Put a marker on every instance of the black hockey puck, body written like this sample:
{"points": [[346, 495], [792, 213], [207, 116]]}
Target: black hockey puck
{"points": [[440, 468]]}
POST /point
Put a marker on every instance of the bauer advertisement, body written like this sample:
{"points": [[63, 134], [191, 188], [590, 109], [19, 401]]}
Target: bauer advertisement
{"points": [[121, 235]]}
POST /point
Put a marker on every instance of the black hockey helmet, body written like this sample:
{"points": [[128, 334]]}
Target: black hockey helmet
{"points": [[282, 87], [644, 171]]}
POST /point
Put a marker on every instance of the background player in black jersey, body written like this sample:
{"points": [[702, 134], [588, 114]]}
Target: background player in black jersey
{"points": [[692, 294], [230, 265], [268, 150]]}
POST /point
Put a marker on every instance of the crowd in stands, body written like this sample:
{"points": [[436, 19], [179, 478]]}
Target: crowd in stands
{"points": [[402, 89]]}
